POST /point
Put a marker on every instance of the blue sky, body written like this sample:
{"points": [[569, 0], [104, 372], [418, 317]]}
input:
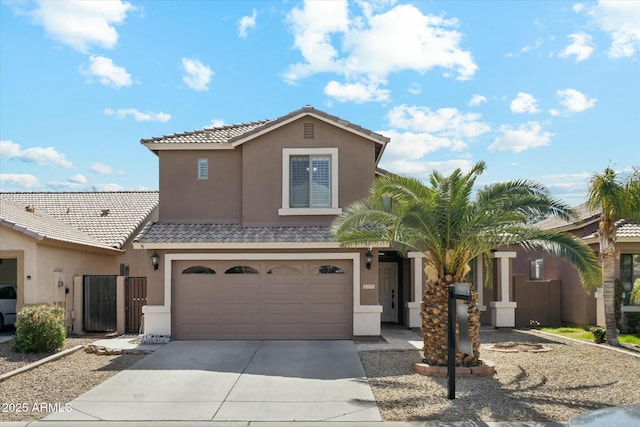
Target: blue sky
{"points": [[541, 90]]}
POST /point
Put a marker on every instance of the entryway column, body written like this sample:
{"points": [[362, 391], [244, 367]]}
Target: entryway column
{"points": [[413, 306], [503, 312]]}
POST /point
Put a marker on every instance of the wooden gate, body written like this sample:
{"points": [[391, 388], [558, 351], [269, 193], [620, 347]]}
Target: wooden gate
{"points": [[135, 290], [99, 309]]}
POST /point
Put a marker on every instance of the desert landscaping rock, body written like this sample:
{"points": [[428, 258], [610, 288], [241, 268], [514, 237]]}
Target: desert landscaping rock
{"points": [[550, 386]]}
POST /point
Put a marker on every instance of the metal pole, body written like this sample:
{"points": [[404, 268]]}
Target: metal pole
{"points": [[451, 344]]}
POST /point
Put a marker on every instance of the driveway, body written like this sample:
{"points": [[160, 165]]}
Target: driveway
{"points": [[235, 381]]}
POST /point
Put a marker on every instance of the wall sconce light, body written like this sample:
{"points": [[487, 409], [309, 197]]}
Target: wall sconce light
{"points": [[154, 260], [368, 258]]}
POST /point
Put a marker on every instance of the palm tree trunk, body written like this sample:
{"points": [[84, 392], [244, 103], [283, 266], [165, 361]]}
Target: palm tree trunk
{"points": [[434, 312], [607, 234]]}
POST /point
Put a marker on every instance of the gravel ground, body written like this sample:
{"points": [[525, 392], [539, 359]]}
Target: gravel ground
{"points": [[552, 386], [570, 379], [34, 394]]}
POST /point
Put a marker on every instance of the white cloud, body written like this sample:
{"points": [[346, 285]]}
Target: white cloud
{"points": [[102, 169], [247, 22], [578, 7], [215, 123], [523, 137], [37, 155], [423, 169], [78, 179], [524, 103], [197, 75], [357, 92], [575, 101], [477, 100], [22, 180], [415, 88], [581, 47], [82, 24], [425, 131], [621, 20], [109, 73], [331, 40], [447, 122], [138, 116], [108, 187]]}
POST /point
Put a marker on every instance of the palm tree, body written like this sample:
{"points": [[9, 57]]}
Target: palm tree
{"points": [[615, 200], [451, 228]]}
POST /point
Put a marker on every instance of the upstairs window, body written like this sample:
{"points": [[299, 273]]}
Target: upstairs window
{"points": [[310, 181], [203, 169]]}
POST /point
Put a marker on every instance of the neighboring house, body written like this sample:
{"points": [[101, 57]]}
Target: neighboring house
{"points": [[549, 290], [51, 243], [243, 238]]}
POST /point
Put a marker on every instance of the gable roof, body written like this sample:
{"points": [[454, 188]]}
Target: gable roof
{"points": [[585, 216], [41, 226], [231, 136], [110, 218]]}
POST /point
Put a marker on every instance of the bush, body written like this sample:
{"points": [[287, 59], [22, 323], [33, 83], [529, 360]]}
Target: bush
{"points": [[633, 323], [40, 328], [599, 335]]}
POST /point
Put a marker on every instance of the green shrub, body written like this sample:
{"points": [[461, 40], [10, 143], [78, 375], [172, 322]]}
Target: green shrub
{"points": [[40, 328], [599, 335], [633, 323], [634, 297]]}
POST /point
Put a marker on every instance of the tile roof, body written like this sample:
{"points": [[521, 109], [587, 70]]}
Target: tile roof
{"points": [[624, 228], [232, 133], [232, 233], [584, 215], [216, 135], [109, 217], [40, 225]]}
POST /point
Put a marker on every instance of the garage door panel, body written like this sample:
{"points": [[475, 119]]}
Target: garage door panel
{"points": [[284, 309], [294, 301]]}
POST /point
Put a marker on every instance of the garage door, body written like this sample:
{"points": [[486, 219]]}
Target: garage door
{"points": [[262, 299]]}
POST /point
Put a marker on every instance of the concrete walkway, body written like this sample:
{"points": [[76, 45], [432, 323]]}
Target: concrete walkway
{"points": [[234, 381]]}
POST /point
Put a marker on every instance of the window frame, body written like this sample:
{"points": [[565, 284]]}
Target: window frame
{"points": [[203, 166], [287, 153], [536, 269]]}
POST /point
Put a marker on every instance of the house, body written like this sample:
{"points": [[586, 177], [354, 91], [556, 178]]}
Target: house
{"points": [[242, 243], [55, 245], [548, 290]]}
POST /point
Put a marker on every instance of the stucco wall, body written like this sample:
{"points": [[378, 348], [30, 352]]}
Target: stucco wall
{"points": [[262, 170], [185, 198]]}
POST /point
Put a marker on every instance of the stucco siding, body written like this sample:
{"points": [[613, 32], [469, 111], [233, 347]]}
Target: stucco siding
{"points": [[185, 198], [262, 170]]}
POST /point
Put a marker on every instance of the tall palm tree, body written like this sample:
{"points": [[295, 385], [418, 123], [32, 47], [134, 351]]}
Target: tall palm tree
{"points": [[451, 228], [615, 200]]}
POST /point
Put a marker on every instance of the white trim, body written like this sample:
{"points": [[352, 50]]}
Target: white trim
{"points": [[366, 318], [237, 245], [505, 254], [309, 211], [329, 151]]}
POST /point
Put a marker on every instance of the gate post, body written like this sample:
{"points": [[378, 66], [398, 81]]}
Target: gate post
{"points": [[120, 305]]}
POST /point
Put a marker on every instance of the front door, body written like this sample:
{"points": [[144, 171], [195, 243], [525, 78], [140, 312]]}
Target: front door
{"points": [[388, 278]]}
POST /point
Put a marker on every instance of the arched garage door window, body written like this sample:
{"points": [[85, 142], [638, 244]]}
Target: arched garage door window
{"points": [[241, 269], [198, 269]]}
